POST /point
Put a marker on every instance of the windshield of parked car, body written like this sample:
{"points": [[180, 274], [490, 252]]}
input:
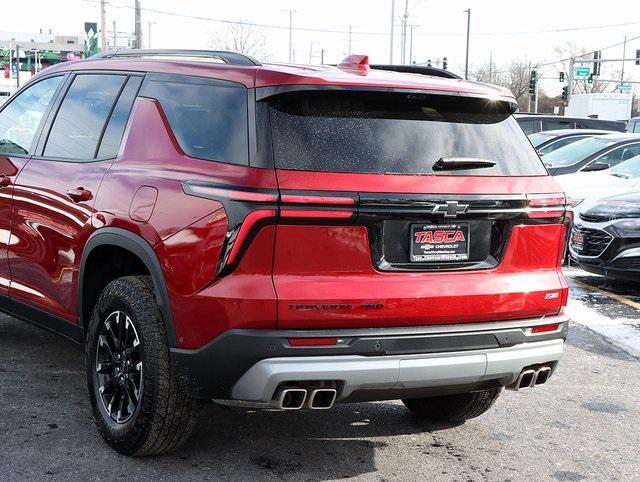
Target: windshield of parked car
{"points": [[628, 169], [538, 138], [394, 133], [574, 153]]}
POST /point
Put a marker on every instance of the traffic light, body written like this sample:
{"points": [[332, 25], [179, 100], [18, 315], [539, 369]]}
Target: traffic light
{"points": [[429, 63], [637, 57], [565, 93], [444, 62], [561, 76], [532, 83], [597, 55]]}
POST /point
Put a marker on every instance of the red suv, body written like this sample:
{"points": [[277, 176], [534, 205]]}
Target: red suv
{"points": [[278, 236]]}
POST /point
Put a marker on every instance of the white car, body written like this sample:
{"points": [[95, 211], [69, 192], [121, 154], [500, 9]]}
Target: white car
{"points": [[587, 188]]}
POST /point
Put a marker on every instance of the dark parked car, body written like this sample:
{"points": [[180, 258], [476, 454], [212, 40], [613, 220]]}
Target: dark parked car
{"points": [[633, 125], [606, 238], [278, 236], [531, 123], [548, 141], [593, 153]]}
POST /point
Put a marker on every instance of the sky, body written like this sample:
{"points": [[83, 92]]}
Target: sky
{"points": [[500, 29]]}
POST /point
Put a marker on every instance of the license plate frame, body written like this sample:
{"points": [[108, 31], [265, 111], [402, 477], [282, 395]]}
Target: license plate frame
{"points": [[439, 243]]}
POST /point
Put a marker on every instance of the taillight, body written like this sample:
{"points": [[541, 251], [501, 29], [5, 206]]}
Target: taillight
{"points": [[545, 328], [547, 207]]}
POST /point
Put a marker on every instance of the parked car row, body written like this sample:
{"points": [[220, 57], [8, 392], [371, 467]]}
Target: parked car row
{"points": [[599, 171]]}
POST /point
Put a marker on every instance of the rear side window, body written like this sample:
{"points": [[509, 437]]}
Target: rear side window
{"points": [[393, 133], [551, 124], [110, 144], [77, 128], [529, 126], [208, 117], [20, 119]]}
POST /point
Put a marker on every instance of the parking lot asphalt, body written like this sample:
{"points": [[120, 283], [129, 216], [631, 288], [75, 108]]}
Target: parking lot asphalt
{"points": [[582, 425]]}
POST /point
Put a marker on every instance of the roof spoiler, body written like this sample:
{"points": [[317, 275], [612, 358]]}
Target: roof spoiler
{"points": [[417, 69]]}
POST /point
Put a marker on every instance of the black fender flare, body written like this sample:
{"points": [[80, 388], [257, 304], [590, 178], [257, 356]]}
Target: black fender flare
{"points": [[142, 249]]}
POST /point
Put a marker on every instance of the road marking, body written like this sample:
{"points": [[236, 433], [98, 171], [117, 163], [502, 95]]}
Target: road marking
{"points": [[614, 296]]}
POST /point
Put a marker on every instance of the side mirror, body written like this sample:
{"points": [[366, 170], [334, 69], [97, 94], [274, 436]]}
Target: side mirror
{"points": [[596, 166]]}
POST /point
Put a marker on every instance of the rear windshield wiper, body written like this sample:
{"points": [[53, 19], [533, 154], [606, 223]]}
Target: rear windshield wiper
{"points": [[461, 163]]}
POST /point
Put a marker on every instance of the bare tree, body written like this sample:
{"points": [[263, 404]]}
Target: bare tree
{"points": [[514, 77], [242, 38]]}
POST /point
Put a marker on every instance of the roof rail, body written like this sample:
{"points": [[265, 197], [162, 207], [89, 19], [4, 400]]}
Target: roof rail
{"points": [[231, 58], [416, 69]]}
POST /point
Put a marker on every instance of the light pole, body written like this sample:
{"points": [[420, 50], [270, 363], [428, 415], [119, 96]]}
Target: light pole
{"points": [[393, 12], [466, 60], [149, 24]]}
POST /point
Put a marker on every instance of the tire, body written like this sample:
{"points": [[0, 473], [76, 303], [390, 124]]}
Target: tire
{"points": [[453, 408], [143, 408]]}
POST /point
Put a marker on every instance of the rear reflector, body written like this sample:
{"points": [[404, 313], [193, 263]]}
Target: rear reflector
{"points": [[310, 213], [313, 341], [544, 328]]}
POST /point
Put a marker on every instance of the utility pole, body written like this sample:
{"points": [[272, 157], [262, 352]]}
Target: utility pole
{"points": [[349, 50], [403, 50], [393, 12], [411, 43], [115, 36], [529, 96], [466, 61], [322, 56], [570, 83], [103, 26], [149, 24], [137, 27], [624, 56], [17, 66], [290, 36]]}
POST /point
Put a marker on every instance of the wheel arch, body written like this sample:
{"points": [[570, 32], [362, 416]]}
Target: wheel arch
{"points": [[141, 249]]}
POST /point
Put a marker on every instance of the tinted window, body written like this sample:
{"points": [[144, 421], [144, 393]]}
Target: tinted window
{"points": [[575, 152], [110, 143], [19, 120], [623, 153], [538, 138], [628, 169], [208, 118], [551, 124], [396, 133], [529, 126], [82, 115], [559, 143]]}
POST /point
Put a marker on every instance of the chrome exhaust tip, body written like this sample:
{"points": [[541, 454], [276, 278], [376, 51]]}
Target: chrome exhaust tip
{"points": [[524, 381], [291, 398], [542, 375], [321, 398]]}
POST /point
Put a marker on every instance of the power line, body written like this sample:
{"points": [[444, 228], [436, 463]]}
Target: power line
{"points": [[324, 30]]}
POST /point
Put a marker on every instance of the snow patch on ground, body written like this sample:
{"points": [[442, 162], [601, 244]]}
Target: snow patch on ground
{"points": [[617, 330]]}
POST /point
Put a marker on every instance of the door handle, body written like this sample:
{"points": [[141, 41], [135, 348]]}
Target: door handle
{"points": [[80, 194], [4, 180]]}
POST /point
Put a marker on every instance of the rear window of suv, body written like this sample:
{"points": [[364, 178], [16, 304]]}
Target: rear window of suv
{"points": [[396, 133]]}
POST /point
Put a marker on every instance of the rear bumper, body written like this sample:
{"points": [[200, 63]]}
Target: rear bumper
{"points": [[370, 364]]}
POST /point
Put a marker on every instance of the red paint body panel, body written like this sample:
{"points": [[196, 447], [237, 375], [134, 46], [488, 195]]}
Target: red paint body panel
{"points": [[187, 232], [49, 232], [296, 257], [319, 265], [9, 167]]}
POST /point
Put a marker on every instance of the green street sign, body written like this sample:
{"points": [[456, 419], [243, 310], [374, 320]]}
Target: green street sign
{"points": [[624, 88], [583, 71]]}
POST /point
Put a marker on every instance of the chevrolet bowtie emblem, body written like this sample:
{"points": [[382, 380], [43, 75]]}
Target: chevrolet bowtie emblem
{"points": [[451, 209]]}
